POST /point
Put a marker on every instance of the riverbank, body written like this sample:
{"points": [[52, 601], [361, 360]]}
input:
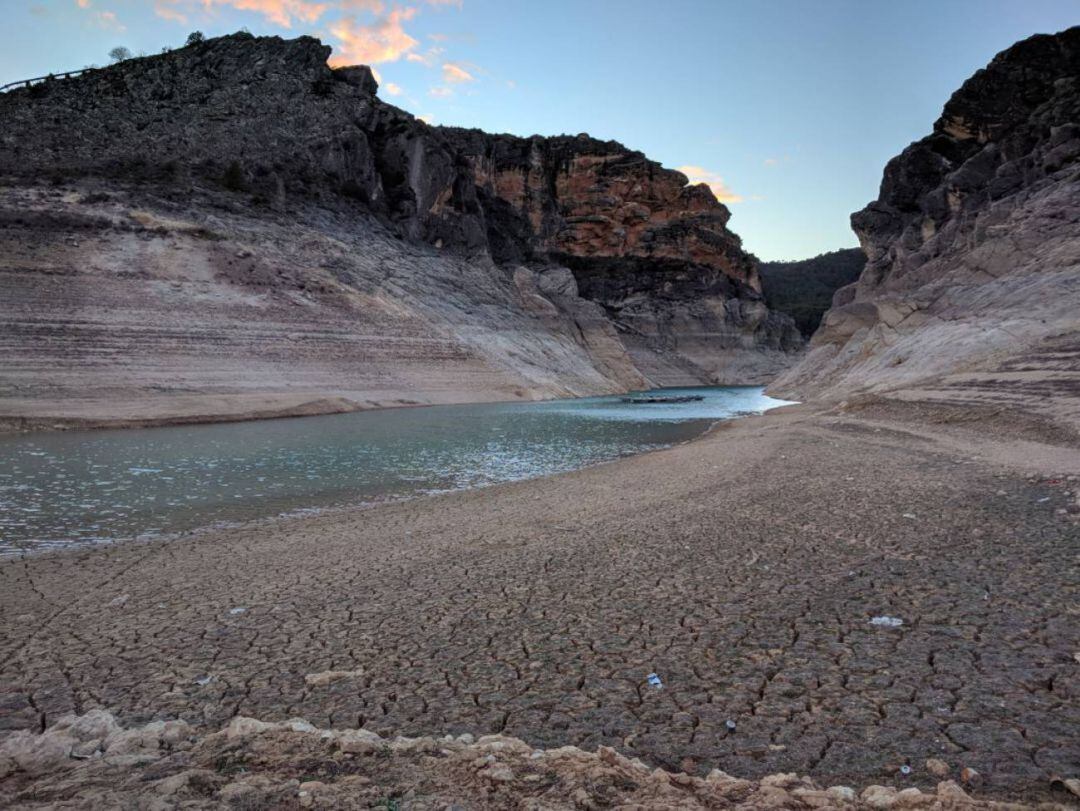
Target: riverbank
{"points": [[162, 412], [744, 569]]}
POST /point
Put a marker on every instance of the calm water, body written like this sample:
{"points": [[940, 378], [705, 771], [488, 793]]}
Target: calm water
{"points": [[59, 489]]}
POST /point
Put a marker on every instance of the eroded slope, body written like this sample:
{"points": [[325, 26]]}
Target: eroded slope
{"points": [[972, 284]]}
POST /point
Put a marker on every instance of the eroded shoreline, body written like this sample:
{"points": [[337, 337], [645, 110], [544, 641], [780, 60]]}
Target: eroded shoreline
{"points": [[742, 567]]}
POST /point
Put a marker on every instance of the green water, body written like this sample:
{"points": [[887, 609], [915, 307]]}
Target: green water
{"points": [[85, 487]]}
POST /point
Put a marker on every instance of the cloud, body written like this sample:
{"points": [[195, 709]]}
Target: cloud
{"points": [[385, 40], [280, 12], [103, 19], [427, 118], [168, 11], [771, 162], [441, 92], [428, 58], [393, 89], [699, 174], [374, 6], [108, 20], [454, 73], [444, 3]]}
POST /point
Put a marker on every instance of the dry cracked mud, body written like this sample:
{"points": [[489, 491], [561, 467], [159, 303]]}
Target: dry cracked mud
{"points": [[744, 569]]}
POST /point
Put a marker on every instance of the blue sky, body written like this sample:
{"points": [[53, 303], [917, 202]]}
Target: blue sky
{"points": [[789, 108]]}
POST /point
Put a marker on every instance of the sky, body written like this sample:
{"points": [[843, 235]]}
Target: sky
{"points": [[789, 109]]}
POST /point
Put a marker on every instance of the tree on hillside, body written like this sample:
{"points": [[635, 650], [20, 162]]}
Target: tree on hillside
{"points": [[195, 37], [119, 54]]}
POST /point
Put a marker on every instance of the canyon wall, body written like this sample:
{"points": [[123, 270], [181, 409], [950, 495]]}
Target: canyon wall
{"points": [[654, 252], [236, 229], [972, 284]]}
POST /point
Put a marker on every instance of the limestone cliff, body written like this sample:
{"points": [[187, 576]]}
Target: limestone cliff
{"points": [[234, 228], [654, 252], [972, 283]]}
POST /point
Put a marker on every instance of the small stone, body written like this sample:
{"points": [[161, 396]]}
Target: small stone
{"points": [[843, 794], [936, 767], [689, 765], [85, 750], [970, 777], [879, 796], [94, 724], [949, 790], [1071, 784], [499, 773], [37, 754], [911, 798]]}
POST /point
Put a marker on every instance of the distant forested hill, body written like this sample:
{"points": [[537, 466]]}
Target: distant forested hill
{"points": [[804, 289]]}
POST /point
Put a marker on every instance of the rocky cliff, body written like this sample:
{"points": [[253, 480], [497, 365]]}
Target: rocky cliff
{"points": [[972, 283], [654, 252], [236, 228]]}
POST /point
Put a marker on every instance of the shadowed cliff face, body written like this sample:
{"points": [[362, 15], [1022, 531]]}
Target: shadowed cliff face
{"points": [[973, 246], [655, 253], [544, 266]]}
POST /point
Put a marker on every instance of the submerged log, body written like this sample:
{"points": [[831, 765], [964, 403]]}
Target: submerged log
{"points": [[681, 398]]}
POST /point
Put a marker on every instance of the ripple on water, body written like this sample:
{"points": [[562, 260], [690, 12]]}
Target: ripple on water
{"points": [[74, 488]]}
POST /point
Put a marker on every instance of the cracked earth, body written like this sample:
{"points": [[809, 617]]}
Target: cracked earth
{"points": [[743, 569]]}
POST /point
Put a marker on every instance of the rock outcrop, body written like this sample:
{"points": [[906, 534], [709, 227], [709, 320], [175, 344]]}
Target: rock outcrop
{"points": [[654, 252], [235, 229], [90, 761], [972, 282]]}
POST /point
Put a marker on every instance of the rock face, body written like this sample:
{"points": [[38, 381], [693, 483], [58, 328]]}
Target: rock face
{"points": [[234, 228], [655, 253], [972, 283]]}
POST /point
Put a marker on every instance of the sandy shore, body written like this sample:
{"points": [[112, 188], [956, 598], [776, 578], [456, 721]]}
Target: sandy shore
{"points": [[743, 568]]}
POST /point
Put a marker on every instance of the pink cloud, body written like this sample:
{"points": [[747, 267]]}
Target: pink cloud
{"points": [[280, 12], [699, 174], [385, 40], [454, 73]]}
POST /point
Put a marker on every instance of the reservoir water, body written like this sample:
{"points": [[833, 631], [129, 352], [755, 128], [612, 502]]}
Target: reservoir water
{"points": [[84, 487]]}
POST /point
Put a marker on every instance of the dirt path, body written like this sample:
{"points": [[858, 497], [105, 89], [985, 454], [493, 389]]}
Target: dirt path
{"points": [[744, 569]]}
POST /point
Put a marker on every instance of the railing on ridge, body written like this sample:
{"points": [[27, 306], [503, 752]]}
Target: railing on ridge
{"points": [[49, 77]]}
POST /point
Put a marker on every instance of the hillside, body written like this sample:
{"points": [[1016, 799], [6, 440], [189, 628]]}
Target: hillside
{"points": [[972, 282], [804, 289], [234, 229]]}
